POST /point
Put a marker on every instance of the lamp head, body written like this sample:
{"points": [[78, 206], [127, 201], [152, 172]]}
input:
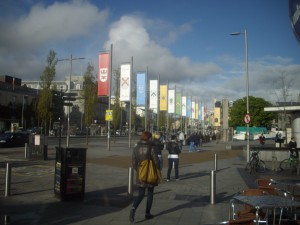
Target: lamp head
{"points": [[235, 33]]}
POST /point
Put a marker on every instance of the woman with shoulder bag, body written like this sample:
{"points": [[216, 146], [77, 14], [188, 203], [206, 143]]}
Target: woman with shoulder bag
{"points": [[142, 151]]}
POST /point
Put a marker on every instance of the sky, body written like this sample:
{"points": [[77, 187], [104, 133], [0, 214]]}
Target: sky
{"points": [[186, 43]]}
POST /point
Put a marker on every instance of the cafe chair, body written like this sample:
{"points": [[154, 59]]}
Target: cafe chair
{"points": [[263, 182]]}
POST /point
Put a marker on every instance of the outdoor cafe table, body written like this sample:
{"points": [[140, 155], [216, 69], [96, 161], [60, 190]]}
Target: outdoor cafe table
{"points": [[267, 202], [290, 184]]}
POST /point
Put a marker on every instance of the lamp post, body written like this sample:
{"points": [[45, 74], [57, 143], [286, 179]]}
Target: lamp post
{"points": [[247, 89], [23, 110], [69, 91]]}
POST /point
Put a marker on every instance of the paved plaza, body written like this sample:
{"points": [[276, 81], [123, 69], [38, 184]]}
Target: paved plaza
{"points": [[187, 201]]}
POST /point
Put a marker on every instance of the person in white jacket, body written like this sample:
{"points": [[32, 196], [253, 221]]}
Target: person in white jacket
{"points": [[181, 139]]}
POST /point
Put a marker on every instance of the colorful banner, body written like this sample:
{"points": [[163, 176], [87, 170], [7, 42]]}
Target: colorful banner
{"points": [[178, 104], [193, 109], [183, 106], [163, 106], [141, 89], [103, 74], [196, 111], [189, 107], [171, 101], [125, 82], [200, 112], [153, 102]]}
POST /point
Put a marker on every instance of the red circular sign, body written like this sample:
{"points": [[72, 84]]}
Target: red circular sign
{"points": [[247, 118]]}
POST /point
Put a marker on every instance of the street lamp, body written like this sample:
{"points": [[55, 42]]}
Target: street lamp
{"points": [[247, 88], [69, 91], [23, 110]]}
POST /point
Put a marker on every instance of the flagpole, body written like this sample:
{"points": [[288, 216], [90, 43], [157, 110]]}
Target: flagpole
{"points": [[146, 93], [167, 114], [130, 101], [109, 98], [158, 101]]}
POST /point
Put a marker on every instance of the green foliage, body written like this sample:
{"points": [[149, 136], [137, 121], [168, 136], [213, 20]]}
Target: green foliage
{"points": [[256, 110], [89, 94], [45, 99], [49, 72]]}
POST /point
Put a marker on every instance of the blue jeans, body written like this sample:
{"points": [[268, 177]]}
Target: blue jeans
{"points": [[170, 165], [161, 162], [180, 144], [140, 197], [192, 146]]}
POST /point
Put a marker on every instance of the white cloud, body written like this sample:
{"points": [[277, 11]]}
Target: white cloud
{"points": [[79, 28], [28, 39], [130, 38]]}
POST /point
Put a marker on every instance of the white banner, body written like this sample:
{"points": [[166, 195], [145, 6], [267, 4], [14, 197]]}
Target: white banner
{"points": [[193, 110], [125, 82], [183, 105], [153, 90], [171, 101]]}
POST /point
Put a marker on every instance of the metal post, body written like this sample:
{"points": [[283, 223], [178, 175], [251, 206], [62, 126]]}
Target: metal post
{"points": [[247, 89], [6, 219], [109, 95], [247, 83], [130, 182], [216, 162], [7, 179], [212, 187], [26, 146]]}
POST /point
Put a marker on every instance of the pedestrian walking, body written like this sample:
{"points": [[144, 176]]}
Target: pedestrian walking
{"points": [[262, 139], [173, 157], [181, 139], [293, 148], [192, 142], [141, 152], [159, 146]]}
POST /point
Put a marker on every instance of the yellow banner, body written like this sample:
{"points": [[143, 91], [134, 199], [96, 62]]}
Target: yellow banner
{"points": [[163, 106]]}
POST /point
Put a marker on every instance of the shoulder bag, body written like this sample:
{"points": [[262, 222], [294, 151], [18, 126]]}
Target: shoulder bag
{"points": [[148, 172]]}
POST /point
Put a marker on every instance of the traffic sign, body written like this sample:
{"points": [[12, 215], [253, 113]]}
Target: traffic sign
{"points": [[247, 118], [108, 115]]}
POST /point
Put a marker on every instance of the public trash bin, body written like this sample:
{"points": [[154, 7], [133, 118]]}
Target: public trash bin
{"points": [[69, 180]]}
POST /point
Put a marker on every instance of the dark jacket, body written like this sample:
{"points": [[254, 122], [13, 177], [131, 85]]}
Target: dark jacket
{"points": [[158, 146], [173, 148], [140, 153]]}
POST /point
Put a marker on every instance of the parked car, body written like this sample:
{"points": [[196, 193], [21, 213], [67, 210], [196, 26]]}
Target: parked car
{"points": [[13, 139]]}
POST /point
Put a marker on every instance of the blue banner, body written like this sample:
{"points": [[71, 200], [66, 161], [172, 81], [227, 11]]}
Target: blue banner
{"points": [[188, 107], [140, 88]]}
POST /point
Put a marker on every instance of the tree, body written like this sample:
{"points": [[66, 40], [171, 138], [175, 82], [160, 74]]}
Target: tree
{"points": [[282, 87], [117, 109], [45, 99], [256, 110], [89, 95]]}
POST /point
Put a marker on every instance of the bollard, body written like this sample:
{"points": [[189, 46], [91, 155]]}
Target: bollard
{"points": [[212, 187], [7, 179], [130, 182], [26, 150], [6, 219], [216, 162]]}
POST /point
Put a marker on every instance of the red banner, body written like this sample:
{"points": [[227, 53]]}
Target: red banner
{"points": [[103, 74]]}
